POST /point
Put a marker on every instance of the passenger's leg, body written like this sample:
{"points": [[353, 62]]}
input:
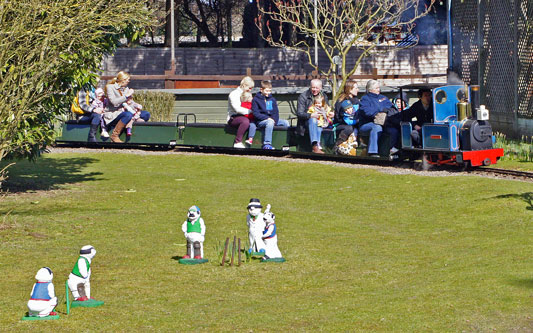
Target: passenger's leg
{"points": [[374, 132], [242, 123], [416, 138], [145, 115], [394, 135], [312, 124], [268, 124], [283, 122], [95, 122]]}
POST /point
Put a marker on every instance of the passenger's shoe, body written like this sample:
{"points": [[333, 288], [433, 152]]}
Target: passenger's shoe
{"points": [[394, 150], [197, 257], [317, 150], [250, 141], [128, 131], [239, 145], [186, 257], [82, 299], [115, 136], [268, 147], [104, 133]]}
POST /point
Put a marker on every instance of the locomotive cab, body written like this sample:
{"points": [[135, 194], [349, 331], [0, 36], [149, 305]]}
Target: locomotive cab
{"points": [[460, 132]]}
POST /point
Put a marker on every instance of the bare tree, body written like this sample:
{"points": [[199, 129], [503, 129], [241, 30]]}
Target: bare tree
{"points": [[339, 26]]}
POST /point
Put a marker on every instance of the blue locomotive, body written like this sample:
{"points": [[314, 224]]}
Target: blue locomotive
{"points": [[460, 133]]}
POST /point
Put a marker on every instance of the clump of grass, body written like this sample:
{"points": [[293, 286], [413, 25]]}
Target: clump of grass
{"points": [[521, 150], [159, 104]]}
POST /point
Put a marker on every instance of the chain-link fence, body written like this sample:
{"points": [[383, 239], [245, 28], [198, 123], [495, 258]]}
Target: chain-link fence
{"points": [[492, 47]]}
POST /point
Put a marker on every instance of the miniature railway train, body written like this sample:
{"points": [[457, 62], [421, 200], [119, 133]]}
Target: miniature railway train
{"points": [[460, 134]]}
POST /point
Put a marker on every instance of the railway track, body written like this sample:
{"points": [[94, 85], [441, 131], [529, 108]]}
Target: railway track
{"points": [[504, 173], [482, 171]]}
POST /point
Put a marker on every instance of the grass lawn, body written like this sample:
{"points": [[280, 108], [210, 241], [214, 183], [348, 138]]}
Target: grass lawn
{"points": [[365, 251], [515, 165]]}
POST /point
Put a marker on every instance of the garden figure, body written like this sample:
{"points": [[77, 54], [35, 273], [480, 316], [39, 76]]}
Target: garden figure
{"points": [[270, 236], [256, 226], [194, 231], [43, 299], [79, 279]]}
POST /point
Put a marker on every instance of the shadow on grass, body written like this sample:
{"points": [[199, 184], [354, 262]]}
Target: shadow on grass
{"points": [[524, 283], [527, 197], [47, 174]]}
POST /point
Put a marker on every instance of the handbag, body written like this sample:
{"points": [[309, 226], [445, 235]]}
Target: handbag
{"points": [[380, 118]]}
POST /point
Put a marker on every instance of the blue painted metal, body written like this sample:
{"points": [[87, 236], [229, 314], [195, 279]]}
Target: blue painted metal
{"points": [[406, 129], [446, 111], [440, 137]]}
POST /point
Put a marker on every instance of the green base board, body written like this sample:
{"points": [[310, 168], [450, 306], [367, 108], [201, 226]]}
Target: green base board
{"points": [[92, 303], [26, 317], [257, 254], [273, 260], [192, 261]]}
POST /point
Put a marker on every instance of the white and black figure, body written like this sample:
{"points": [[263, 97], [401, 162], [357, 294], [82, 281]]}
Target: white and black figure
{"points": [[270, 236], [79, 279], [194, 230], [43, 299], [256, 225]]}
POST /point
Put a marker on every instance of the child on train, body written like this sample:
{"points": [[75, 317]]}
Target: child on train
{"points": [[99, 105], [325, 114], [134, 108], [246, 102]]}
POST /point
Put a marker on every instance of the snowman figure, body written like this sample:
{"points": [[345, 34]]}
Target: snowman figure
{"points": [[270, 236], [256, 225], [194, 230], [43, 299], [79, 279]]}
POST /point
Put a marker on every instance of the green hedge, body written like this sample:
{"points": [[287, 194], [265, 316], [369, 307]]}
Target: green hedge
{"points": [[159, 104]]}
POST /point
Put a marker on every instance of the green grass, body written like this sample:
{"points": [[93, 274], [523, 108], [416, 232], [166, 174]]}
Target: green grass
{"points": [[365, 251]]}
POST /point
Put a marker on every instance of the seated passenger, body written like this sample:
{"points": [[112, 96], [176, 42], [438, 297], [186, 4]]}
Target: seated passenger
{"points": [[346, 115], [99, 106], [419, 113], [237, 113], [118, 93], [309, 121], [371, 104], [90, 116], [401, 103], [246, 102], [266, 113], [346, 143], [325, 115]]}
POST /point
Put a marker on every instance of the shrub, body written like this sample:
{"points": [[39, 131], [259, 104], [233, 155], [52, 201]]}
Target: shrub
{"points": [[159, 104], [521, 150]]}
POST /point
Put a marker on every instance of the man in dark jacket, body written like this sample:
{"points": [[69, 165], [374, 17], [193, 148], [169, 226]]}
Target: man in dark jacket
{"points": [[305, 119], [420, 113], [266, 113]]}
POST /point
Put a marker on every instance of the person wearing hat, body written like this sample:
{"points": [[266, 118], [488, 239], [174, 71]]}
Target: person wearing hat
{"points": [[43, 299], [194, 230], [256, 226], [79, 279], [346, 118]]}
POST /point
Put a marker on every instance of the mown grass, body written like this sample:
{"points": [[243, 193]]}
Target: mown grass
{"points": [[365, 251]]}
